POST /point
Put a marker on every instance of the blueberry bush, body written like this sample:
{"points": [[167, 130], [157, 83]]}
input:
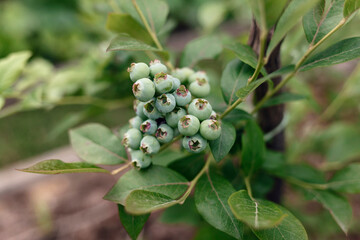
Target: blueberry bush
{"points": [[218, 144]]}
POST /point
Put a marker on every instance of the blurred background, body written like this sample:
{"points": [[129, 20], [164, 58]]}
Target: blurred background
{"points": [[66, 78]]}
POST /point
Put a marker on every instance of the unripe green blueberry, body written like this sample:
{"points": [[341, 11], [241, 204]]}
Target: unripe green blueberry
{"points": [[176, 82], [139, 159], [183, 74], [132, 138], [149, 145], [198, 75], [143, 89], [150, 110], [210, 129], [163, 84], [200, 108], [200, 88], [164, 133], [138, 108], [194, 144], [148, 127], [188, 125], [213, 115], [138, 70], [182, 96], [135, 122], [176, 132], [173, 117], [165, 103], [157, 67]]}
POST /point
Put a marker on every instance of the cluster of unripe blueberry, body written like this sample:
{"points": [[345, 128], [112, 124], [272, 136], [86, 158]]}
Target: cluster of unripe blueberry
{"points": [[166, 108]]}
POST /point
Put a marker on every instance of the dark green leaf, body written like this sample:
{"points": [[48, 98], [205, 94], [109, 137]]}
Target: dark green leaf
{"points": [[200, 49], [96, 144], [340, 52], [302, 172], [237, 115], [132, 224], [155, 179], [2, 102], [253, 151], [283, 98], [290, 228], [221, 146], [338, 206], [188, 166], [55, 166], [125, 42], [350, 7], [257, 214], [168, 156], [292, 14], [320, 21], [182, 214], [211, 194], [346, 180], [207, 232]]}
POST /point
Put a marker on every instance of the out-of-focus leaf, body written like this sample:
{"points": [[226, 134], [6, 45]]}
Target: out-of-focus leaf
{"points": [[133, 224], [283, 98], [125, 42], [2, 102], [273, 10], [222, 145], [346, 180], [211, 14]]}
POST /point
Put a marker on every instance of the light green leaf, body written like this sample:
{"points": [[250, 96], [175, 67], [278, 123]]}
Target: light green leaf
{"points": [[292, 14], [350, 7], [125, 42], [211, 195], [11, 67], [258, 10], [234, 77], [338, 206], [252, 155], [340, 52], [257, 214], [289, 229], [273, 10], [96, 144], [200, 49], [283, 98], [124, 23], [155, 179], [55, 166], [221, 146], [346, 180], [132, 224], [211, 14]]}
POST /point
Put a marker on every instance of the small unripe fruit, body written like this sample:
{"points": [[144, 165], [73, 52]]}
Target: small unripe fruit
{"points": [[165, 103], [150, 110], [132, 138], [194, 144], [198, 75], [148, 127], [200, 108], [143, 89], [176, 82], [139, 159], [164, 133], [149, 145], [173, 117], [183, 73], [135, 122], [138, 108], [210, 129], [163, 84], [182, 96], [213, 115], [200, 88], [188, 125], [138, 70], [157, 67]]}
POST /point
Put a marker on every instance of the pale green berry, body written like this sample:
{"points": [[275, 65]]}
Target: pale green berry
{"points": [[188, 125], [157, 67], [148, 127], [138, 108], [149, 145], [138, 70], [132, 138], [200, 108], [210, 129], [173, 117], [198, 75], [135, 122], [183, 74], [139, 159], [163, 84], [214, 115], [164, 133], [150, 110], [144, 89], [182, 96], [165, 103], [194, 144], [200, 88], [176, 82]]}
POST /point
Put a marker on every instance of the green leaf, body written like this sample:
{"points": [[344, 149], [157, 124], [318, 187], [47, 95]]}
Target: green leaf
{"points": [[11, 67], [124, 23], [245, 91], [320, 21], [168, 156], [346, 180], [273, 10], [340, 52], [211, 194], [302, 172], [350, 7], [257, 214], [2, 102], [292, 14], [290, 228], [221, 146], [207, 232], [188, 166], [200, 49], [246, 55], [182, 214], [55, 166], [125, 42], [338, 206], [252, 155], [237, 115], [234, 77], [283, 98], [155, 12], [155, 179], [132, 224], [96, 144]]}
